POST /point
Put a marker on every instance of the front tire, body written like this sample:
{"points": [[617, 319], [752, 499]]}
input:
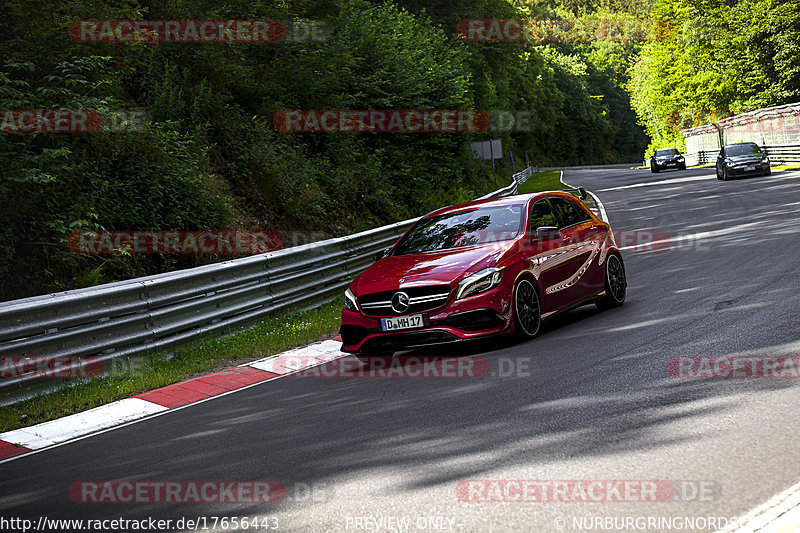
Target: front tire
{"points": [[616, 284], [725, 176], [527, 309]]}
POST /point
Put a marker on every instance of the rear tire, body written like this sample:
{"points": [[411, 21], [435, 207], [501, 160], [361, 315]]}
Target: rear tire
{"points": [[527, 309], [616, 284]]}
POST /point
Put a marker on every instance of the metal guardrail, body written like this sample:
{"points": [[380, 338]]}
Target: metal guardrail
{"points": [[783, 153], [155, 313], [516, 179]]}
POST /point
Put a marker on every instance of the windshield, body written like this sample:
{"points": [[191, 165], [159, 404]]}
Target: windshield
{"points": [[666, 151], [742, 149], [463, 228]]}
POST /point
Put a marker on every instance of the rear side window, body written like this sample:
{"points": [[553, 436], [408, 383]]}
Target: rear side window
{"points": [[567, 212], [542, 215]]}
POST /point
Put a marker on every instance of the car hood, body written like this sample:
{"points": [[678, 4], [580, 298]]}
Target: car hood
{"points": [[445, 266]]}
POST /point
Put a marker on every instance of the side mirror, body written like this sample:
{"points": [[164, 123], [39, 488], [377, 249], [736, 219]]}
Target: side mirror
{"points": [[547, 233]]}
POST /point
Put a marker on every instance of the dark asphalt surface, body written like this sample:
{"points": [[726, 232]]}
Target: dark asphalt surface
{"points": [[595, 404]]}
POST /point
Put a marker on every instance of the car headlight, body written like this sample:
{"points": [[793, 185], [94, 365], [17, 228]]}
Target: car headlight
{"points": [[765, 159], [350, 300], [680, 158], [482, 281]]}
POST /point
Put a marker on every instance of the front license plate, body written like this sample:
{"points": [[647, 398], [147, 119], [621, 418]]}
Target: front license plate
{"points": [[403, 322], [751, 167]]}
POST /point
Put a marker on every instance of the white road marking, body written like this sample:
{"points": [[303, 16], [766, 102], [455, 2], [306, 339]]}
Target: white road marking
{"points": [[300, 358], [72, 426], [781, 513]]}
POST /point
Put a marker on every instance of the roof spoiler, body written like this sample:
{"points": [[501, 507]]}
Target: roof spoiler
{"points": [[580, 192]]}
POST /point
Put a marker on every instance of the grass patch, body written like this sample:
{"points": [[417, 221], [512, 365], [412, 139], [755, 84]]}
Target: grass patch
{"points": [[542, 181], [269, 336]]}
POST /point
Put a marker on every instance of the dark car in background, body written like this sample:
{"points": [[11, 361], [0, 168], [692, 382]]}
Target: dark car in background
{"points": [[742, 159], [665, 158]]}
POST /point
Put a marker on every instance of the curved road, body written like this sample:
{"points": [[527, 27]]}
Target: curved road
{"points": [[592, 401]]}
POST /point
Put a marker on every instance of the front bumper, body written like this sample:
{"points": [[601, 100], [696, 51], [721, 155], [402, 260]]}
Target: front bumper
{"points": [[759, 168], [474, 317], [673, 163]]}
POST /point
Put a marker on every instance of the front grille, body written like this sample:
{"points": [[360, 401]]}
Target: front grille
{"points": [[420, 299]]}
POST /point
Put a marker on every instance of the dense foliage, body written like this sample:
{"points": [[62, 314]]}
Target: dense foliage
{"points": [[210, 157], [723, 57]]}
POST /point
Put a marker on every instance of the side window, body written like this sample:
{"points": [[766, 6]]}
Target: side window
{"points": [[568, 213], [542, 215]]}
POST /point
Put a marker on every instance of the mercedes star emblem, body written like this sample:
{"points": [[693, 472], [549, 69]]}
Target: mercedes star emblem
{"points": [[400, 302]]}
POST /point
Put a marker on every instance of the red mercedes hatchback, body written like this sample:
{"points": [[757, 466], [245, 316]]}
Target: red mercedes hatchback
{"points": [[490, 267]]}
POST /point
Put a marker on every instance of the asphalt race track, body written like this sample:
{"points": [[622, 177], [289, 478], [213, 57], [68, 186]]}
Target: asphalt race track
{"points": [[592, 401]]}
